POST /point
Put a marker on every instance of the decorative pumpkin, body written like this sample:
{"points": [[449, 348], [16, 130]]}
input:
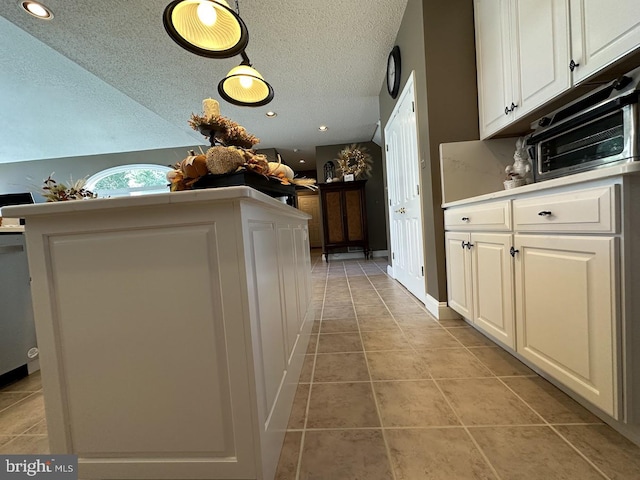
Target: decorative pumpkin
{"points": [[281, 170], [224, 159], [194, 166]]}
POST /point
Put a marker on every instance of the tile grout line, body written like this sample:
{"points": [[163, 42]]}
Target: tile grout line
{"points": [[373, 392], [473, 440], [544, 420], [548, 424], [313, 369], [552, 427], [486, 459]]}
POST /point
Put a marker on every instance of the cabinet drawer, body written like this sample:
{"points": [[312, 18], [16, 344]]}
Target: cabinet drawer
{"points": [[495, 216], [592, 210]]}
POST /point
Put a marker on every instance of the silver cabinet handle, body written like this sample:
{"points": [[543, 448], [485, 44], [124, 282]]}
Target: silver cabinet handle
{"points": [[465, 219], [544, 213]]}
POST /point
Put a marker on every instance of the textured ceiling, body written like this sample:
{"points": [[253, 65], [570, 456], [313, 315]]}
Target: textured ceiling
{"points": [[325, 60]]}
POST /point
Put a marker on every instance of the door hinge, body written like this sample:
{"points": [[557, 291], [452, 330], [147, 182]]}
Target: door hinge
{"points": [[387, 147], [417, 189], [413, 107], [422, 268], [393, 256], [389, 202]]}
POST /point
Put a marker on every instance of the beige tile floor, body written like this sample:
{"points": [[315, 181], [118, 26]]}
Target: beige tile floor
{"points": [[387, 392]]}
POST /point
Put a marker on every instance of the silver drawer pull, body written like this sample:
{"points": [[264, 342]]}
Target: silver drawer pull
{"points": [[11, 248], [465, 219], [544, 213]]}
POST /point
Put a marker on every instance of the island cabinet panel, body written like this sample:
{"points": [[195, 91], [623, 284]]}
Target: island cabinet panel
{"points": [[89, 321], [268, 311], [172, 331]]}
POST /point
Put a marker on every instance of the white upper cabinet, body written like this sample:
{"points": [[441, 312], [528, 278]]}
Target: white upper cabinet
{"points": [[602, 32], [522, 54], [540, 53], [528, 52], [494, 64]]}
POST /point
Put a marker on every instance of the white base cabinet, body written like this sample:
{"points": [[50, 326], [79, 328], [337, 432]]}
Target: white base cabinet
{"points": [[566, 312], [458, 264], [171, 330], [480, 281], [546, 283], [492, 269]]}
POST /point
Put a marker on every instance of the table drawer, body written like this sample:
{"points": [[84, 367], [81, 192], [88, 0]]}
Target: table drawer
{"points": [[494, 216], [591, 210]]}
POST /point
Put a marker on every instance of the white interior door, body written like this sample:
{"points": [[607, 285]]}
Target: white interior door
{"points": [[310, 204], [405, 205]]}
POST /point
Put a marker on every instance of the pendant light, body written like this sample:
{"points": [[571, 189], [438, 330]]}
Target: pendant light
{"points": [[209, 28], [244, 86]]}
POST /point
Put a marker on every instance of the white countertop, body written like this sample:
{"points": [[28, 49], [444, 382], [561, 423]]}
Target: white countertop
{"points": [[597, 174], [189, 196], [12, 229]]}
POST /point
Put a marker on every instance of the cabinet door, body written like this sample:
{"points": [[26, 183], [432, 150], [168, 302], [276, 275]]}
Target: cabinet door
{"points": [[566, 312], [333, 217], [458, 262], [493, 60], [354, 214], [602, 32], [540, 53], [492, 283]]}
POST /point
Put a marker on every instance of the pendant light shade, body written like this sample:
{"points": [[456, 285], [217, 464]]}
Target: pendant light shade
{"points": [[245, 87], [209, 28]]}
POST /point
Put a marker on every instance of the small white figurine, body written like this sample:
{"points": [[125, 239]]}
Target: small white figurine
{"points": [[521, 168]]}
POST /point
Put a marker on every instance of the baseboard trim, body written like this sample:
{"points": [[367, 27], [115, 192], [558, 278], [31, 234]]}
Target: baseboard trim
{"points": [[440, 310], [357, 255], [390, 271]]}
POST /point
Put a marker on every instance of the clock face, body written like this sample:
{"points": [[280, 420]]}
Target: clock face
{"points": [[393, 72]]}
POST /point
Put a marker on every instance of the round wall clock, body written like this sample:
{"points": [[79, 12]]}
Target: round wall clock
{"points": [[393, 72]]}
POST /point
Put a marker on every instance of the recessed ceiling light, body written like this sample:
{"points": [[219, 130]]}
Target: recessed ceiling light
{"points": [[37, 10], [271, 114], [323, 128], [302, 161]]}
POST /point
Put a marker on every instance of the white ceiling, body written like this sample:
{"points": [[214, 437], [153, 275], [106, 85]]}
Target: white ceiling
{"points": [[103, 76]]}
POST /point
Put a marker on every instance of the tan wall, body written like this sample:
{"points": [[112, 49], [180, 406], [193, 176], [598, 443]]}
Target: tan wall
{"points": [[436, 40]]}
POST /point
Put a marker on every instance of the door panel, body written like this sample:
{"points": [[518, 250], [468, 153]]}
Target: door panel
{"points": [[310, 204], [566, 314], [459, 274], [492, 268], [405, 205]]}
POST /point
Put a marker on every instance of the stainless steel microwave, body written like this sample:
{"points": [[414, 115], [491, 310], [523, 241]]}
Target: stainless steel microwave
{"points": [[597, 130]]}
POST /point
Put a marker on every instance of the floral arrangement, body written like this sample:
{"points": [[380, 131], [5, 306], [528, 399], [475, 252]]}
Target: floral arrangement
{"points": [[226, 131], [355, 160], [59, 192]]}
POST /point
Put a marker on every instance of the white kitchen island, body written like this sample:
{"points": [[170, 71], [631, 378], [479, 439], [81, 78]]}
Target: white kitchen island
{"points": [[171, 329]]}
